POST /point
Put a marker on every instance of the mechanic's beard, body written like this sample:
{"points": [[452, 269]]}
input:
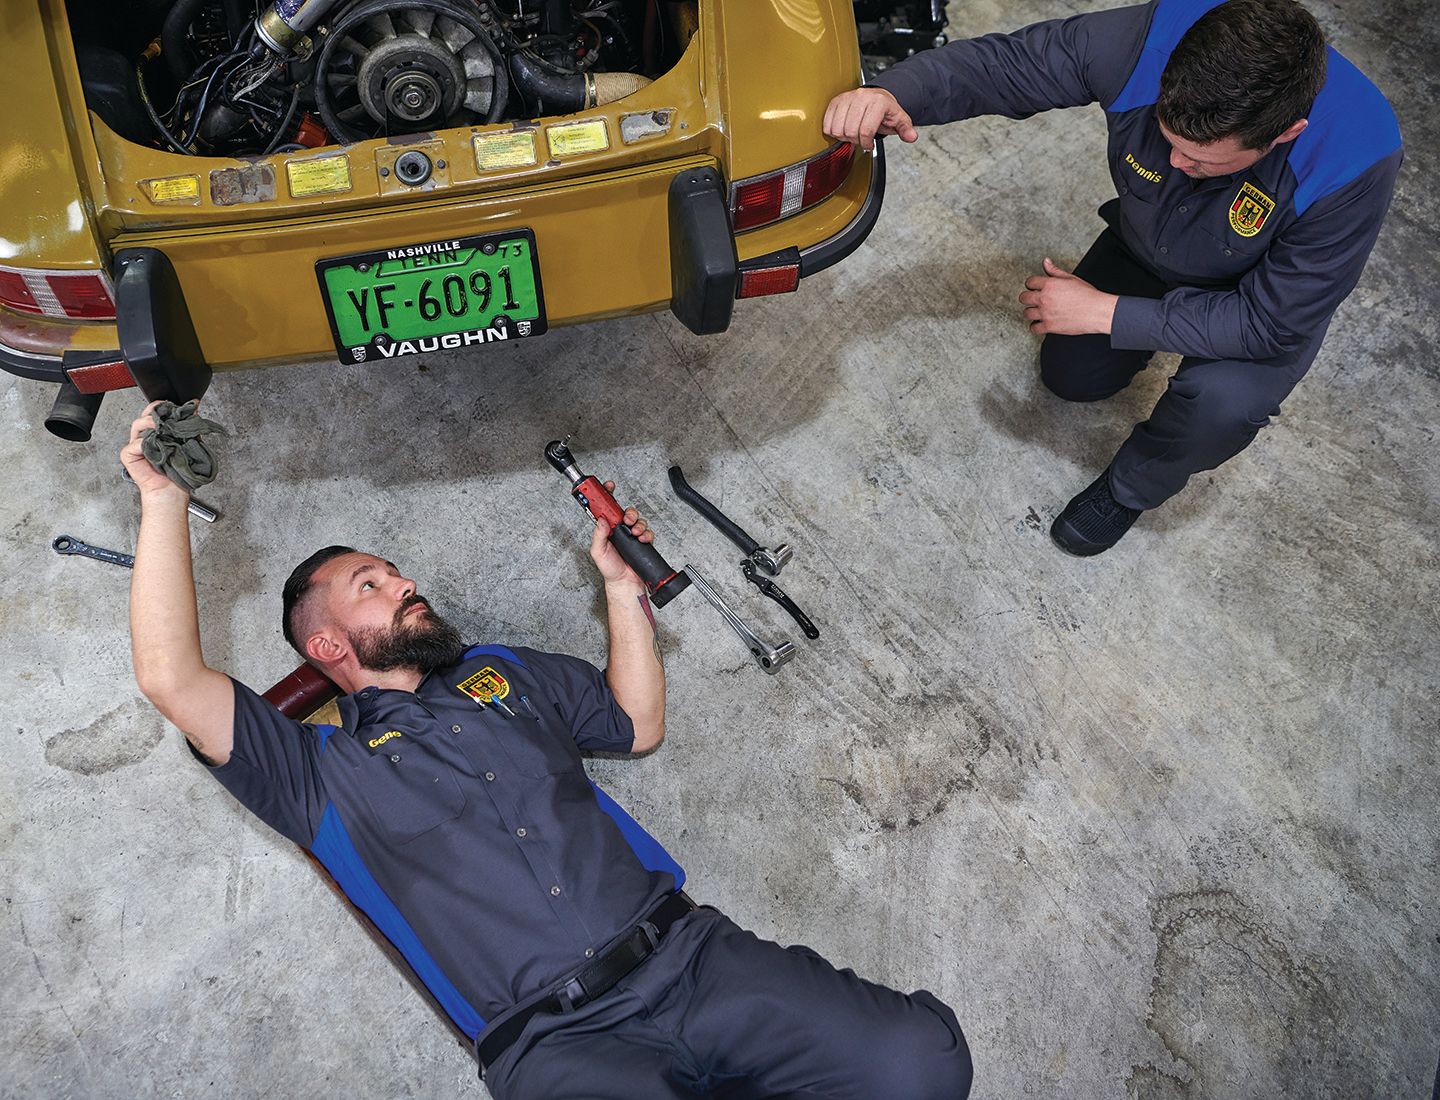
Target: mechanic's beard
{"points": [[428, 642]]}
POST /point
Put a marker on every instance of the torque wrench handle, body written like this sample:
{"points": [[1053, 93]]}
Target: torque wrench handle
{"points": [[693, 497], [662, 580]]}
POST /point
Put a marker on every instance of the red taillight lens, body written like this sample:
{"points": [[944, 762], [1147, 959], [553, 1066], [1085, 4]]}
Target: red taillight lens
{"points": [[84, 297], [825, 174], [761, 200], [15, 294], [760, 281], [757, 202], [79, 296]]}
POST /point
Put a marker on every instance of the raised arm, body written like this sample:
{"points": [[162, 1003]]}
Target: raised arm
{"points": [[635, 673], [164, 626], [1059, 63]]}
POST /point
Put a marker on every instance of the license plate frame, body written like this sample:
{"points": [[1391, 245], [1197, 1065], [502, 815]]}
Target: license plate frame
{"points": [[403, 270]]}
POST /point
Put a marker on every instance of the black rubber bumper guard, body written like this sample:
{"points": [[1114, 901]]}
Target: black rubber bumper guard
{"points": [[157, 336], [704, 269]]}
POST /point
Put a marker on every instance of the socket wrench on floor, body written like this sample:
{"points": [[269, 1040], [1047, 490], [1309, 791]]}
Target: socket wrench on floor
{"points": [[68, 544], [769, 657]]}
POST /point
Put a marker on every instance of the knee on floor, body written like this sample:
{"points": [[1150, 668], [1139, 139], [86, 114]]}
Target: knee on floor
{"points": [[912, 1065]]}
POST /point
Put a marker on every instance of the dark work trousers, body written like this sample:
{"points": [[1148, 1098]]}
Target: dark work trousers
{"points": [[1210, 412], [718, 1012]]}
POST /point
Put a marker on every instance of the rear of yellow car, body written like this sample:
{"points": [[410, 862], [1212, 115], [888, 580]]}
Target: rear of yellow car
{"points": [[125, 264]]}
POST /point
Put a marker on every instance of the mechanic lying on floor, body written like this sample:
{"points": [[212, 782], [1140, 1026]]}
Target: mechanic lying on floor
{"points": [[453, 808], [1254, 169]]}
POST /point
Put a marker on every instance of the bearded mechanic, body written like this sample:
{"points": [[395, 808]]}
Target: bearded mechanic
{"points": [[1254, 167], [452, 807]]}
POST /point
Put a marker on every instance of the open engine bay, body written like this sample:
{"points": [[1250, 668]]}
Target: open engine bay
{"points": [[238, 78]]}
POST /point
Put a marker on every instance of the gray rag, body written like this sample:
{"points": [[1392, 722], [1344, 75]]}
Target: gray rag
{"points": [[174, 446]]}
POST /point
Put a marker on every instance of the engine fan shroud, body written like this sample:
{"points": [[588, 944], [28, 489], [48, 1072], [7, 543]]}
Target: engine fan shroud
{"points": [[398, 66]]}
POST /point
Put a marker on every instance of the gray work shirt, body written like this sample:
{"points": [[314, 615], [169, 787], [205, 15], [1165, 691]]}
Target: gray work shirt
{"points": [[471, 837], [1257, 261]]}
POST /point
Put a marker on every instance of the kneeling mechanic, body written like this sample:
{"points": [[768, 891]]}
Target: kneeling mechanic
{"points": [[452, 807]]}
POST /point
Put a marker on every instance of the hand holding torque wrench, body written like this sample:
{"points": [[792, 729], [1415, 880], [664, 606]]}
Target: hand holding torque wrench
{"points": [[663, 582]]}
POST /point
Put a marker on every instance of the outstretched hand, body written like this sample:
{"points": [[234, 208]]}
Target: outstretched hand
{"points": [[147, 479], [858, 115], [602, 551], [1063, 303]]}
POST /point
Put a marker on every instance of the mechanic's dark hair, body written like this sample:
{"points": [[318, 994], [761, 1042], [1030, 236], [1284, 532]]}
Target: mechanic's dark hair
{"points": [[1247, 69], [298, 584]]}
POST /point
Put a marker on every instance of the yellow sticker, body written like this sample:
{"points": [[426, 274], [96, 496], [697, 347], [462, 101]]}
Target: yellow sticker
{"points": [[318, 177], [173, 189], [484, 684], [574, 138], [510, 149]]}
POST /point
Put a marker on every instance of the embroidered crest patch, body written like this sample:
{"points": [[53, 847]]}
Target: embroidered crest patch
{"points": [[484, 684], [1250, 209]]}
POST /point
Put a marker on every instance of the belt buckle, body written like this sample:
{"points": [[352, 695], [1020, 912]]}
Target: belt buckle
{"points": [[571, 995]]}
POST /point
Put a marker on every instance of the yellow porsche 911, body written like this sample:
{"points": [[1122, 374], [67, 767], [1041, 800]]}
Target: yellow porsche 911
{"points": [[198, 185]]}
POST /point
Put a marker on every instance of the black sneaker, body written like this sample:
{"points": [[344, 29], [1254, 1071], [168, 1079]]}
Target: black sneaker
{"points": [[1094, 521]]}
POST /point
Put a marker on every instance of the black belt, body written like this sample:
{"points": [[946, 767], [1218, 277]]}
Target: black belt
{"points": [[597, 978]]}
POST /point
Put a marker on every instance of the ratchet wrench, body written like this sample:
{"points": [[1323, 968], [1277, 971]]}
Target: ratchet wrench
{"points": [[68, 544], [769, 657]]}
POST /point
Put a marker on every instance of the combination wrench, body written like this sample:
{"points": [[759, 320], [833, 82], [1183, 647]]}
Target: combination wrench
{"points": [[68, 544]]}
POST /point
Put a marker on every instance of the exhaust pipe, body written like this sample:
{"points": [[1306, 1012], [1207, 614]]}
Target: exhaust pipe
{"points": [[73, 414]]}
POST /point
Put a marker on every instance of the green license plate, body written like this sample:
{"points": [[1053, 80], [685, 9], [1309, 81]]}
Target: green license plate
{"points": [[413, 298]]}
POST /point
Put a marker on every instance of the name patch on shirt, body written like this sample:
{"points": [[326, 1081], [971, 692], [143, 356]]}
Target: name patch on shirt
{"points": [[1143, 173], [1250, 209], [386, 736], [484, 684]]}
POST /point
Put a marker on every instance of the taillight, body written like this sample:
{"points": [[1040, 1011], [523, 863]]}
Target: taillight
{"points": [[16, 294], [76, 295], [761, 200]]}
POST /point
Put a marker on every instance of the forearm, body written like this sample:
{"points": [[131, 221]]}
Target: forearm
{"points": [[635, 673], [1060, 63], [1208, 324], [164, 625]]}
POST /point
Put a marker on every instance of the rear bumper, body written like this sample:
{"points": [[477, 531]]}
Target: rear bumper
{"points": [[50, 368], [702, 279], [43, 368]]}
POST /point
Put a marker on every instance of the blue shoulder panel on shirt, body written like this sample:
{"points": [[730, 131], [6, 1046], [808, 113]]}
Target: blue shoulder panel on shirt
{"points": [[494, 651], [1351, 128], [650, 852], [334, 848], [323, 733], [1168, 25]]}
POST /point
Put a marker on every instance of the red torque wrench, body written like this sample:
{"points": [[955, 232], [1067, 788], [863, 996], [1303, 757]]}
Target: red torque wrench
{"points": [[663, 582]]}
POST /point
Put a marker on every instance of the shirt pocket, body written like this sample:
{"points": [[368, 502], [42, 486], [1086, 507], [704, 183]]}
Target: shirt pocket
{"points": [[1221, 260], [537, 750], [409, 792]]}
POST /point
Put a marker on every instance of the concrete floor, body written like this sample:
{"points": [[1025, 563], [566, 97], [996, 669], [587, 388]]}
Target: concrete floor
{"points": [[1159, 824]]}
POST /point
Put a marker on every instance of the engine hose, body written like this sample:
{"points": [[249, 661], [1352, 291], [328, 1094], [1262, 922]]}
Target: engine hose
{"points": [[173, 45], [170, 138], [552, 94], [284, 127]]}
